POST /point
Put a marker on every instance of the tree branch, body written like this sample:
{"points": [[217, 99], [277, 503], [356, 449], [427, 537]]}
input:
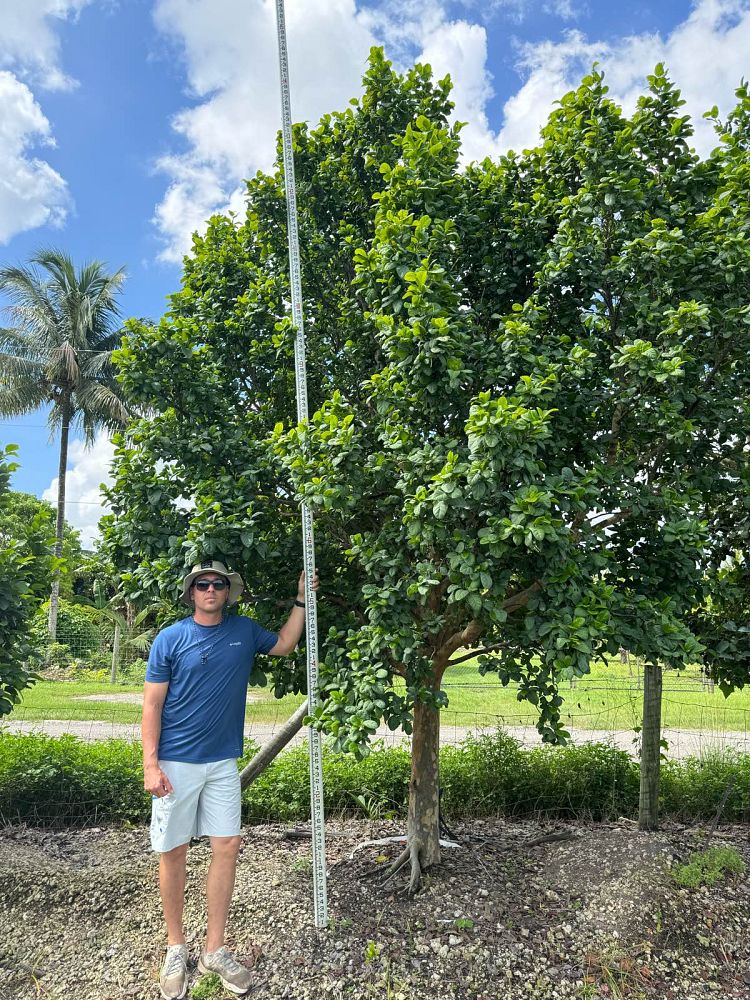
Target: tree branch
{"points": [[620, 515], [460, 640], [521, 599], [475, 652]]}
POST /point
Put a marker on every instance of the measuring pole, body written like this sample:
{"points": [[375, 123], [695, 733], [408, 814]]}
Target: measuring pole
{"points": [[320, 895]]}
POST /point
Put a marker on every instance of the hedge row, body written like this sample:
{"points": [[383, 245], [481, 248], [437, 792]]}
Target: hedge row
{"points": [[46, 781]]}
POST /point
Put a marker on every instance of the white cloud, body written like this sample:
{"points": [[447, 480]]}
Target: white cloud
{"points": [[230, 54], [87, 469], [229, 51], [564, 9], [459, 49], [28, 43], [706, 55], [31, 192]]}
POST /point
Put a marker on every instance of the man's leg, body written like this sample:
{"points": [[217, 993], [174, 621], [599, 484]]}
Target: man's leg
{"points": [[172, 865], [219, 819], [219, 887]]}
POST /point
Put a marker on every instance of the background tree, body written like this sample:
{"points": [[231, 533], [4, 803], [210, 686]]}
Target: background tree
{"points": [[527, 392], [25, 516], [58, 353], [19, 566]]}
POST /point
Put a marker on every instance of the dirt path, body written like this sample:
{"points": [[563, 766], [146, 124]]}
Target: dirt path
{"points": [[682, 742], [507, 915]]}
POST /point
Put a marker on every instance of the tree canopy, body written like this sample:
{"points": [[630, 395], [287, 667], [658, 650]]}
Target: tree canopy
{"points": [[20, 565], [529, 384], [24, 516]]}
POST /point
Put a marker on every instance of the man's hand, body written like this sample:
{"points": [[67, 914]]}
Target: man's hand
{"points": [[156, 782], [301, 585]]}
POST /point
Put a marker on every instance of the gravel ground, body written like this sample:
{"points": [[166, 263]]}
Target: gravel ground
{"points": [[682, 742], [512, 914]]}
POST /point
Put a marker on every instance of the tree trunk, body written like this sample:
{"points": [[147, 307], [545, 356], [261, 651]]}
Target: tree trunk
{"points": [[648, 806], [423, 822], [271, 750], [54, 597], [115, 654]]}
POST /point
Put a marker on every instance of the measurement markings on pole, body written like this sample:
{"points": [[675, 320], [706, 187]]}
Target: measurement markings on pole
{"points": [[320, 895]]}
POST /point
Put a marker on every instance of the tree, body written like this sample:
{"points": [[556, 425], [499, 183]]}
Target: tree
{"points": [[17, 575], [25, 516], [528, 382], [58, 352]]}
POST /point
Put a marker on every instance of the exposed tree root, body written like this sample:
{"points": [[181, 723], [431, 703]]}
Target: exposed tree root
{"points": [[397, 865], [415, 882], [410, 856], [384, 841]]}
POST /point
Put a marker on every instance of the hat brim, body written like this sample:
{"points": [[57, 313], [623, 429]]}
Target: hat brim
{"points": [[236, 585]]}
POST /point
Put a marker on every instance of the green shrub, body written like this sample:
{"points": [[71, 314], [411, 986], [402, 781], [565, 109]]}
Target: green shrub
{"points": [[132, 673], [64, 782], [56, 663], [694, 788], [75, 628], [491, 775], [708, 867], [283, 791], [61, 781]]}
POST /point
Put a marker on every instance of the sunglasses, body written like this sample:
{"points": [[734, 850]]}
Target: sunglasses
{"points": [[207, 584]]}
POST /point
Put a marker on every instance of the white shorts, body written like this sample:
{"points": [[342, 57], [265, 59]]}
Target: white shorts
{"points": [[205, 803]]}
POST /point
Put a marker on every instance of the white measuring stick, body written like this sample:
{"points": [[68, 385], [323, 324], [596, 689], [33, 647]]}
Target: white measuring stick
{"points": [[320, 894]]}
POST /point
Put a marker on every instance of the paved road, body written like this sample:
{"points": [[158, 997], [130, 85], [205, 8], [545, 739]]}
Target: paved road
{"points": [[682, 742]]}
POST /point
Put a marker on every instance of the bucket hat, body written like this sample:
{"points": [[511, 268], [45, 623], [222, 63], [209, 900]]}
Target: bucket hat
{"points": [[236, 586]]}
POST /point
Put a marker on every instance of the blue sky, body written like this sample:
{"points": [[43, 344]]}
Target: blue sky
{"points": [[123, 125]]}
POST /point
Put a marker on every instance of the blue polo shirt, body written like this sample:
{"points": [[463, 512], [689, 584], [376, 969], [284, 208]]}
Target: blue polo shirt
{"points": [[204, 712]]}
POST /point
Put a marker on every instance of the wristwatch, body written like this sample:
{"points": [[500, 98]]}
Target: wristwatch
{"points": [[298, 604]]}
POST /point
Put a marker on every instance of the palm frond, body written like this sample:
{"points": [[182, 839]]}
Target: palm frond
{"points": [[99, 405], [141, 643], [18, 368], [96, 366], [17, 343], [68, 359], [58, 264], [28, 295], [18, 398]]}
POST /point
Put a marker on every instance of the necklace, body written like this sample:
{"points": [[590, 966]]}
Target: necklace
{"points": [[205, 650]]}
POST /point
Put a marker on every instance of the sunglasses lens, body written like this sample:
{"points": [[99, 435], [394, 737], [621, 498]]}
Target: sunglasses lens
{"points": [[206, 584]]}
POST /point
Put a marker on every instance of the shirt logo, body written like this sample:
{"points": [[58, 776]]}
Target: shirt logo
{"points": [[235, 643]]}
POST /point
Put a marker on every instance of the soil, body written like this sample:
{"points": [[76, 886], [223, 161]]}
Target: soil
{"points": [[518, 910]]}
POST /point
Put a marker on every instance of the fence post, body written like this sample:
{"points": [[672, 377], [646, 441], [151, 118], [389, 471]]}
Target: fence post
{"points": [[648, 804], [115, 654]]}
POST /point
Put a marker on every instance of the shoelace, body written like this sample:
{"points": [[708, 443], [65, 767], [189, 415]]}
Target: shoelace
{"points": [[175, 962], [225, 961]]}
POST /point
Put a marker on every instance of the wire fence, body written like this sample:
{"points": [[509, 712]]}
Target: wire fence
{"points": [[102, 660], [695, 720]]}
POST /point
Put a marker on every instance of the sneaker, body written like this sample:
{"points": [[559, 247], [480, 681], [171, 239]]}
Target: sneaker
{"points": [[173, 978], [233, 975]]}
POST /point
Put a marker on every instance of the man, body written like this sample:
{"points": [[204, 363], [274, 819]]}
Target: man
{"points": [[193, 715]]}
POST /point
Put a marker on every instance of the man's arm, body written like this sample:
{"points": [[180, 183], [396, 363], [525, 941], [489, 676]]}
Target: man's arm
{"points": [[155, 780], [291, 631]]}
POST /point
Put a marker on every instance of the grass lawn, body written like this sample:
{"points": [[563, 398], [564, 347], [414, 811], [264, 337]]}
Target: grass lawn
{"points": [[74, 700], [608, 698]]}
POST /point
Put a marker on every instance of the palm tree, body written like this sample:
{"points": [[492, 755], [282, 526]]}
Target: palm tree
{"points": [[58, 351]]}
